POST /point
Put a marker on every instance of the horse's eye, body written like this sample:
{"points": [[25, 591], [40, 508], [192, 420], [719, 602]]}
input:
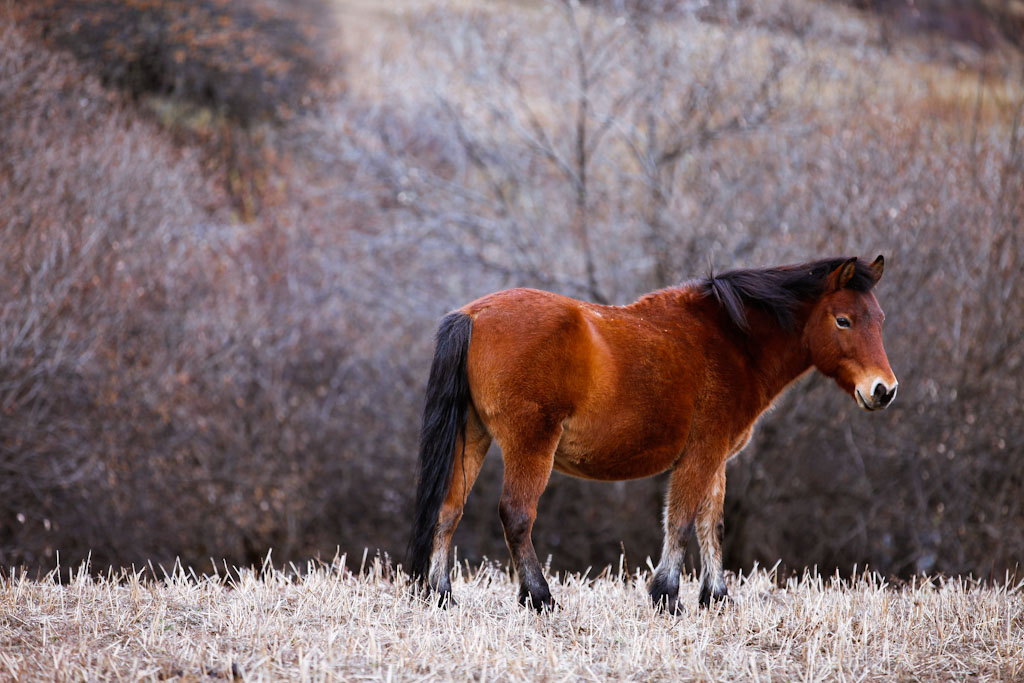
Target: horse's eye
{"points": [[842, 322]]}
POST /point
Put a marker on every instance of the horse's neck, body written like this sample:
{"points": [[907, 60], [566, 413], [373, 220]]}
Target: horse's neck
{"points": [[771, 357], [777, 356]]}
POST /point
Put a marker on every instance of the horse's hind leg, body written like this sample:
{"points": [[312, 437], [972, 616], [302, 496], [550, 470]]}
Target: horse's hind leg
{"points": [[527, 469], [710, 528], [464, 473]]}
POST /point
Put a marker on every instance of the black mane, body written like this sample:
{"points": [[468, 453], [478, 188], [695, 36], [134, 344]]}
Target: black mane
{"points": [[778, 291]]}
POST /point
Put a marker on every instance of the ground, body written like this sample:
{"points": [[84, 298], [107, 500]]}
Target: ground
{"points": [[323, 623]]}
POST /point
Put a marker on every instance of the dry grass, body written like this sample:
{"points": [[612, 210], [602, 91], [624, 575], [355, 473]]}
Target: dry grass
{"points": [[323, 623]]}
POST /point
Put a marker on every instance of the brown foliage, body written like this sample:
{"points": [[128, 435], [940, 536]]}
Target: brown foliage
{"points": [[250, 59], [982, 23]]}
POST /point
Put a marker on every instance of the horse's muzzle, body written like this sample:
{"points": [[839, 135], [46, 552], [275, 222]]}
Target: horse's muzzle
{"points": [[881, 396]]}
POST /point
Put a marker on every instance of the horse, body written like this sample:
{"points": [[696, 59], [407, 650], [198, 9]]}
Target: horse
{"points": [[674, 381]]}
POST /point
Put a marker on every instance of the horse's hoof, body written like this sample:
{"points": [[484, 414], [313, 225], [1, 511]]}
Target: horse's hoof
{"points": [[541, 603], [668, 604], [666, 601], [719, 599], [664, 595], [549, 606]]}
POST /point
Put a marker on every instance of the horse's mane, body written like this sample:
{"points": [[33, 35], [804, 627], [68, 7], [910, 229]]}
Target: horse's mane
{"points": [[778, 291]]}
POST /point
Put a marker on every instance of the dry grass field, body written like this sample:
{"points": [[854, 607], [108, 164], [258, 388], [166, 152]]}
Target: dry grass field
{"points": [[323, 624]]}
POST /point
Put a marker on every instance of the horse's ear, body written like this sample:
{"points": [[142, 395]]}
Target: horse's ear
{"points": [[877, 266], [842, 275]]}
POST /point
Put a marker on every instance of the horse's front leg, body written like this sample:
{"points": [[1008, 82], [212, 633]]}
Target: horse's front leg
{"points": [[693, 482], [710, 529], [664, 586]]}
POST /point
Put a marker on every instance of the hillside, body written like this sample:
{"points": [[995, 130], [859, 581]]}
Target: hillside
{"points": [[219, 310]]}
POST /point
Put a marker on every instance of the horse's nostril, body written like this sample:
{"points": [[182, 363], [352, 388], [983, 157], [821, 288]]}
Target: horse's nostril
{"points": [[881, 395]]}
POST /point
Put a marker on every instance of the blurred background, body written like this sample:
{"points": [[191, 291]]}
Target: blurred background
{"points": [[229, 230]]}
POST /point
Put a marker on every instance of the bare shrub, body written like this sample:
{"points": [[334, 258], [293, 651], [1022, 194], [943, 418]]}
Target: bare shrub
{"points": [[168, 387], [932, 488], [601, 158], [178, 384], [90, 200]]}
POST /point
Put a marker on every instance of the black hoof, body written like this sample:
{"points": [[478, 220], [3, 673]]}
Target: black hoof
{"points": [[667, 602], [665, 595], [707, 597], [542, 601], [440, 597]]}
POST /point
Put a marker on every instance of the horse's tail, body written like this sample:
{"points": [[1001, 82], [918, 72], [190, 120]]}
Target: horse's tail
{"points": [[444, 419]]}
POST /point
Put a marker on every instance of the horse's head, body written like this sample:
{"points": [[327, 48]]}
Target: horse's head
{"points": [[844, 335]]}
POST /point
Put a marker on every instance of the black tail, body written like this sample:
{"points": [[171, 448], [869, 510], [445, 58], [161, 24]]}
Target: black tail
{"points": [[444, 418]]}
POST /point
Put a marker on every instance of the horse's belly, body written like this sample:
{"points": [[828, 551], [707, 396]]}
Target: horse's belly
{"points": [[612, 462]]}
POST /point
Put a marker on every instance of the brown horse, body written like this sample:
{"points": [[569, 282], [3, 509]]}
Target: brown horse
{"points": [[674, 381]]}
